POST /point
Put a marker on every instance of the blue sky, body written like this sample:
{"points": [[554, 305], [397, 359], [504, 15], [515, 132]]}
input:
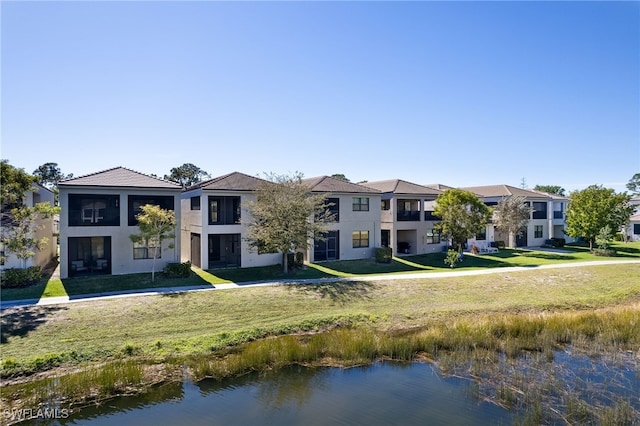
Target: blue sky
{"points": [[451, 92]]}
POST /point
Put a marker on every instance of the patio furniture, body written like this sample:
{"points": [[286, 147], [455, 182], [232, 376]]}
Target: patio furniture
{"points": [[78, 266]]}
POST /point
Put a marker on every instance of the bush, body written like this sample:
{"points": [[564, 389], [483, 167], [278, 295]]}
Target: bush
{"points": [[384, 254], [500, 245], [178, 270], [558, 242], [452, 258], [618, 237], [603, 252], [295, 260], [15, 278]]}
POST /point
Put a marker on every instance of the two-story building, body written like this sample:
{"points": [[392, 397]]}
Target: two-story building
{"points": [[546, 220], [215, 223], [98, 216], [43, 228], [406, 218], [355, 232]]}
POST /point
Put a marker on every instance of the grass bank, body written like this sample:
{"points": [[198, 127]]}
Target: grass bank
{"points": [[40, 338]]}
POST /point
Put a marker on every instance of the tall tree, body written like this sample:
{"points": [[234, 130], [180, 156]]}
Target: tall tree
{"points": [[19, 221], [156, 225], [287, 216], [14, 183], [186, 175], [595, 207], [49, 174], [551, 189], [634, 184], [463, 215], [340, 176], [512, 215]]}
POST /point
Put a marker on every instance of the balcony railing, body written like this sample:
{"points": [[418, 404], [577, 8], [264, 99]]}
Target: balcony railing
{"points": [[409, 215]]}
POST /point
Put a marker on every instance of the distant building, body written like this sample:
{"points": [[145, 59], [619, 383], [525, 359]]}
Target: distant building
{"points": [[45, 228]]}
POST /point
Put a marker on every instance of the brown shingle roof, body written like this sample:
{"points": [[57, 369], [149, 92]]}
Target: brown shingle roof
{"points": [[234, 181], [120, 177], [331, 184], [399, 186], [504, 191], [439, 186]]}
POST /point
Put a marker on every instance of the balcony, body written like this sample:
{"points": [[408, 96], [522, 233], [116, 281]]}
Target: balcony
{"points": [[408, 216]]}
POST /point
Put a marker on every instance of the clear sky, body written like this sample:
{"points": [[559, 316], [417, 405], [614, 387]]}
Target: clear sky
{"points": [[460, 93]]}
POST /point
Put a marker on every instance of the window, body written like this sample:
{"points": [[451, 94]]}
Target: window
{"points": [[94, 210], [433, 237], [360, 204], [481, 236], [386, 205], [195, 203], [537, 231], [137, 201], [146, 250], [224, 210], [636, 229], [539, 210], [360, 239], [333, 205]]}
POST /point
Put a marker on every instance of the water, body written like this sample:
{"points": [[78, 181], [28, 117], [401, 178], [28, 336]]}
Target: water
{"points": [[383, 393], [392, 393]]}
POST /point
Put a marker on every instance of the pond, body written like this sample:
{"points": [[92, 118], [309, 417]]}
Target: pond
{"points": [[382, 393], [531, 389]]}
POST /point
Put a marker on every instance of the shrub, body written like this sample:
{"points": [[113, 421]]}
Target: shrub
{"points": [[384, 254], [178, 270], [295, 260], [603, 252], [501, 245], [558, 242], [618, 237], [15, 278], [452, 258]]}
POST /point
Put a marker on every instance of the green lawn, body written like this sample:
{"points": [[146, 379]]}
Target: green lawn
{"points": [[349, 268], [177, 324]]}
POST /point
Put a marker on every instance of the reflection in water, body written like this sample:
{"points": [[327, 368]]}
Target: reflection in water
{"points": [[387, 393], [383, 393]]}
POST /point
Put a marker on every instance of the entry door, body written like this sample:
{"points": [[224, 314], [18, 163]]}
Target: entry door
{"points": [[195, 250], [385, 237], [521, 239], [332, 247]]}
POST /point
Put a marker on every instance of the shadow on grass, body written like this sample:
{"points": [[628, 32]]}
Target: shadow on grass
{"points": [[339, 291], [18, 322], [550, 256], [119, 284]]}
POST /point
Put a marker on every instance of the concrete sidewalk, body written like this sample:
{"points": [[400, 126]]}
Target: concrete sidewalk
{"points": [[228, 286]]}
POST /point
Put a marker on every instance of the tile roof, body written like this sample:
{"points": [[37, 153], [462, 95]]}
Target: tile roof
{"points": [[399, 186], [504, 191], [331, 184], [120, 177], [439, 186], [234, 181]]}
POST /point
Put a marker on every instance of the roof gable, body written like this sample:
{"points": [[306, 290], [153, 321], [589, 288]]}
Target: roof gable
{"points": [[331, 184], [399, 186], [234, 181], [120, 177]]}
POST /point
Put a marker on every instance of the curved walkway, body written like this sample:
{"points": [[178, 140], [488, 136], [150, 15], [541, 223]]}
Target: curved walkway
{"points": [[227, 286]]}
